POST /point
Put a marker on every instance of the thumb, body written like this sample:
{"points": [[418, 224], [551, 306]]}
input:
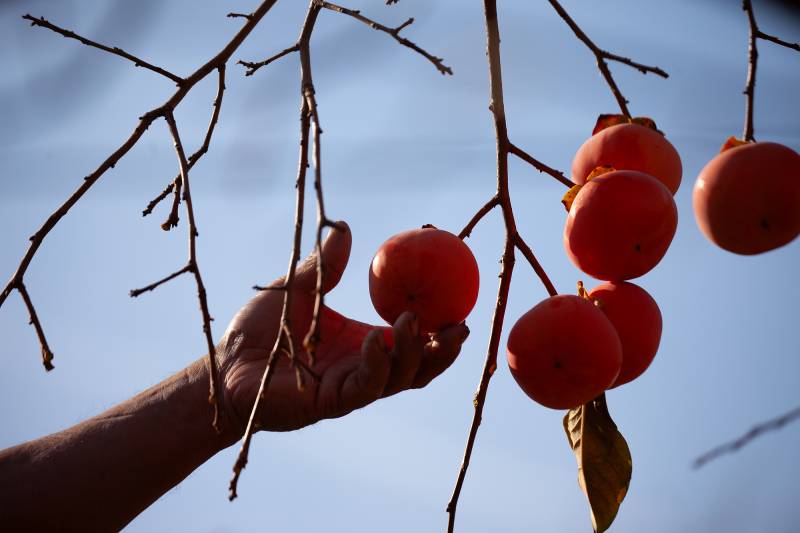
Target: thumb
{"points": [[335, 254]]}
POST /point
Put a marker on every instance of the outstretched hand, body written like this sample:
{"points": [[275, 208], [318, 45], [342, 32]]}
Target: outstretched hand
{"points": [[353, 367]]}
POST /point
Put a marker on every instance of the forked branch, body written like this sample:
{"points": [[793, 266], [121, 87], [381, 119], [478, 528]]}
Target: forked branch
{"points": [[393, 32], [214, 397], [504, 147], [283, 340], [602, 55], [309, 116], [175, 185], [752, 64], [217, 62]]}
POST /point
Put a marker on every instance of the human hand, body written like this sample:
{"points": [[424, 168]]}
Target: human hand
{"points": [[353, 365]]}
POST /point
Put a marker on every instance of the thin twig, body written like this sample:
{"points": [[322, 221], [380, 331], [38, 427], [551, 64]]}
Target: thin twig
{"points": [[755, 432], [752, 64], [137, 292], [157, 200], [541, 167], [482, 212], [214, 397], [194, 158], [232, 15], [115, 51], [781, 42], [284, 328], [393, 32], [601, 56], [47, 354], [253, 67], [173, 218], [523, 247], [252, 425], [312, 338]]}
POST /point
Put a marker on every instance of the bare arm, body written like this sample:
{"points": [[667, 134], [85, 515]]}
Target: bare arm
{"points": [[101, 473]]}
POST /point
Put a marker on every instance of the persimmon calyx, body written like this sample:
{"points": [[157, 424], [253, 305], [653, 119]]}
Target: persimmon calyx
{"points": [[607, 120], [582, 292], [570, 196], [733, 142], [573, 191]]}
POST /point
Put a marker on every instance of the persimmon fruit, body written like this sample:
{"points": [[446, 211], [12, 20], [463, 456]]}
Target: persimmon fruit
{"points": [[564, 352], [620, 225], [629, 146], [637, 320], [747, 198], [428, 271]]}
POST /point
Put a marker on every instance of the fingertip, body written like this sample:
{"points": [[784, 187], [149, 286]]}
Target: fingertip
{"points": [[406, 327], [453, 334], [340, 226]]}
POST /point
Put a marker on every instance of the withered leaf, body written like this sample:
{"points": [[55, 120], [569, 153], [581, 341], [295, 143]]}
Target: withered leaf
{"points": [[604, 460]]}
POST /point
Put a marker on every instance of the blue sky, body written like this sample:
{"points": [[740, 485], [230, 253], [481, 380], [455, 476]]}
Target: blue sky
{"points": [[403, 146]]}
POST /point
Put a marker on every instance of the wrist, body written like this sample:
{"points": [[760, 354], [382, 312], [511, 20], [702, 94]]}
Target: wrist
{"points": [[229, 428]]}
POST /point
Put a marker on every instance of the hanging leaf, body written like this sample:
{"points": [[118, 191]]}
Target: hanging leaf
{"points": [[604, 460]]}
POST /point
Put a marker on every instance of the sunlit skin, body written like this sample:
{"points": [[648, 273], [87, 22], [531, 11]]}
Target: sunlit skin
{"points": [[564, 352], [428, 271], [99, 474], [629, 147], [747, 199], [637, 319], [620, 225]]}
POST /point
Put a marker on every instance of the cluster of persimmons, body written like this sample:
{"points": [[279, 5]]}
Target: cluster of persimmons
{"points": [[567, 350], [622, 217]]}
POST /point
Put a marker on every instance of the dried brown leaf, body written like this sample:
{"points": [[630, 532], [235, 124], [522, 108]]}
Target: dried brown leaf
{"points": [[604, 460]]}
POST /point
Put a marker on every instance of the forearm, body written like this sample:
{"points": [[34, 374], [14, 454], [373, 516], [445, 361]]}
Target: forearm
{"points": [[100, 474]]}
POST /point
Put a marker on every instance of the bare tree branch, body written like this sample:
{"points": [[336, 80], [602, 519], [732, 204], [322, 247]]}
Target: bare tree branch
{"points": [[47, 354], [523, 247], [541, 167], [752, 64], [393, 32], [137, 292], [512, 241], [283, 339], [157, 200], [232, 15], [482, 212], [781, 42], [253, 67], [175, 184], [214, 397], [115, 51], [601, 56], [184, 86], [755, 432]]}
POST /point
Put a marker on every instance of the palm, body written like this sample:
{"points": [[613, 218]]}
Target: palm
{"points": [[352, 366]]}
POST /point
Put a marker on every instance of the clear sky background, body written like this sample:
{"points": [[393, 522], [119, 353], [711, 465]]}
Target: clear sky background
{"points": [[403, 146]]}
